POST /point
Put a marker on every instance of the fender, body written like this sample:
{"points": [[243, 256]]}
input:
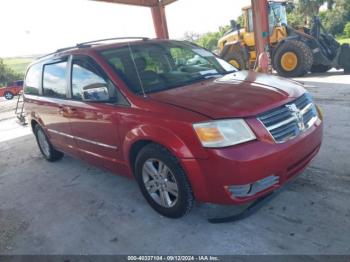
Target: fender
{"points": [[186, 156], [162, 136], [230, 47]]}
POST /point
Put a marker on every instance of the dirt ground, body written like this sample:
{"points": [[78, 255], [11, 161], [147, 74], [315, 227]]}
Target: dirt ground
{"points": [[70, 207]]}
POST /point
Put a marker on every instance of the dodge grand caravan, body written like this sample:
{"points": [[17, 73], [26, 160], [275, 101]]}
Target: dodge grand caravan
{"points": [[185, 131]]}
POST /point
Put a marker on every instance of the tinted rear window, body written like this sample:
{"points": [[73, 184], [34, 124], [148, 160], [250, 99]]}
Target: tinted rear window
{"points": [[54, 80], [33, 79]]}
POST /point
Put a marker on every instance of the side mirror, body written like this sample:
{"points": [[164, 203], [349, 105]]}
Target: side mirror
{"points": [[233, 24], [97, 92]]}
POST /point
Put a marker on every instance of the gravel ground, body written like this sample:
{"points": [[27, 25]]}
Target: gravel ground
{"points": [[70, 207]]}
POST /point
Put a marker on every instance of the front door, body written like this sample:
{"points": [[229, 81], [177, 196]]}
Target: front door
{"points": [[94, 124]]}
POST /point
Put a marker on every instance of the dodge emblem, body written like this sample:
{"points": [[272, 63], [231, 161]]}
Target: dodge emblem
{"points": [[297, 115]]}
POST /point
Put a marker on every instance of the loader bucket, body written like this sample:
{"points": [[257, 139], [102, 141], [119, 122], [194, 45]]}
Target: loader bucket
{"points": [[344, 58]]}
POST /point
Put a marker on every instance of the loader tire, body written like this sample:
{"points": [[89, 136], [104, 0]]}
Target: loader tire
{"points": [[237, 60], [292, 59]]}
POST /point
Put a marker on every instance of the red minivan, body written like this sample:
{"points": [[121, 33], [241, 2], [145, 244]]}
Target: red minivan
{"points": [[186, 131]]}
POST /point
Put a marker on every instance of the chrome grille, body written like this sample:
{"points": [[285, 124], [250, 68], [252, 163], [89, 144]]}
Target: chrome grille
{"points": [[288, 121]]}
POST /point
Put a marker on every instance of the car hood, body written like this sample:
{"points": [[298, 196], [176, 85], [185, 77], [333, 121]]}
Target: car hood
{"points": [[240, 94]]}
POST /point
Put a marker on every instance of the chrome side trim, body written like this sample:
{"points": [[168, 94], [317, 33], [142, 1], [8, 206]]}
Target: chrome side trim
{"points": [[253, 188], [60, 133], [83, 139], [95, 143]]}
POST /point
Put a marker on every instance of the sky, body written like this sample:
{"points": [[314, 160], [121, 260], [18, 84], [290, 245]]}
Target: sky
{"points": [[32, 27]]}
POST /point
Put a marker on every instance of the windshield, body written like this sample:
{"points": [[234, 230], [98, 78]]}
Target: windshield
{"points": [[277, 15], [153, 67]]}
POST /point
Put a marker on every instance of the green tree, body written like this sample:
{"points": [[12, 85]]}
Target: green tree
{"points": [[347, 29], [335, 19], [309, 8], [295, 19], [208, 40], [330, 4]]}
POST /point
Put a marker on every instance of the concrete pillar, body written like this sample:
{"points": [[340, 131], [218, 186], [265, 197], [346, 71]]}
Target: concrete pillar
{"points": [[261, 26], [159, 21]]}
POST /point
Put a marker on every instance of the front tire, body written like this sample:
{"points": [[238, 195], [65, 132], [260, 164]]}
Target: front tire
{"points": [[8, 95], [46, 148], [163, 182], [237, 60], [293, 59]]}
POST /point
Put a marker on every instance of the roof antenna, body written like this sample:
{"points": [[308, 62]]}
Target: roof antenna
{"points": [[137, 71]]}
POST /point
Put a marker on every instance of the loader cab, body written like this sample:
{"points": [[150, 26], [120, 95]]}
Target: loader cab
{"points": [[277, 16]]}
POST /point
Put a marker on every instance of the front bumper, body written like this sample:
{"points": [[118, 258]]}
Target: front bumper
{"points": [[247, 163]]}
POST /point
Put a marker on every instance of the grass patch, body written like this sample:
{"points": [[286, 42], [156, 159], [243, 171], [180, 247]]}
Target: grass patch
{"points": [[18, 64], [344, 41]]}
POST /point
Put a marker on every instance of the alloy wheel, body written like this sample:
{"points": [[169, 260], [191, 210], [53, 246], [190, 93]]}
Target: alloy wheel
{"points": [[160, 183], [43, 143]]}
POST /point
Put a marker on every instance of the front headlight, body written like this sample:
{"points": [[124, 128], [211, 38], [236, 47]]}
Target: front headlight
{"points": [[223, 133]]}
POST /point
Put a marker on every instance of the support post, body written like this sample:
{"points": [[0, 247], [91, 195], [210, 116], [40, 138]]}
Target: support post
{"points": [[159, 21], [261, 26]]}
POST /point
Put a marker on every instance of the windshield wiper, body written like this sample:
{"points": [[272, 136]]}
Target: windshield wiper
{"points": [[209, 75]]}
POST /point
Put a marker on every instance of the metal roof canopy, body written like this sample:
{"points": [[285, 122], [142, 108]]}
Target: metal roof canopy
{"points": [[260, 19], [157, 9]]}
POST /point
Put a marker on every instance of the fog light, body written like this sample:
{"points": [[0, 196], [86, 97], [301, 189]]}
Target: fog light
{"points": [[254, 188], [240, 191]]}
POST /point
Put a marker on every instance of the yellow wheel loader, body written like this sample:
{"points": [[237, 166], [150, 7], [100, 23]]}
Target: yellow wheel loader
{"points": [[293, 52]]}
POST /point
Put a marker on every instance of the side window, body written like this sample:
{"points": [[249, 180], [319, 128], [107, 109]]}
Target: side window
{"points": [[84, 75], [54, 80], [250, 21], [33, 79]]}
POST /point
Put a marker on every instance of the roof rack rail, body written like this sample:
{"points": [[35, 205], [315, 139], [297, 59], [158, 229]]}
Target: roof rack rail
{"points": [[108, 39], [65, 49], [86, 44], [58, 51]]}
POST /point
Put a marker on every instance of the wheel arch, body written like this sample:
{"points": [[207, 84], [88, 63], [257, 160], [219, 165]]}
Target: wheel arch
{"points": [[140, 137], [145, 134], [36, 121], [33, 124]]}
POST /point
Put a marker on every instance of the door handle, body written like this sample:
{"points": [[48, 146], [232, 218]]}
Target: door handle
{"points": [[60, 109], [71, 108]]}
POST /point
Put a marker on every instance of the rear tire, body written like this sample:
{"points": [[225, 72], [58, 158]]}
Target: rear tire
{"points": [[237, 60], [163, 182], [319, 68], [46, 148], [284, 59], [8, 95]]}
